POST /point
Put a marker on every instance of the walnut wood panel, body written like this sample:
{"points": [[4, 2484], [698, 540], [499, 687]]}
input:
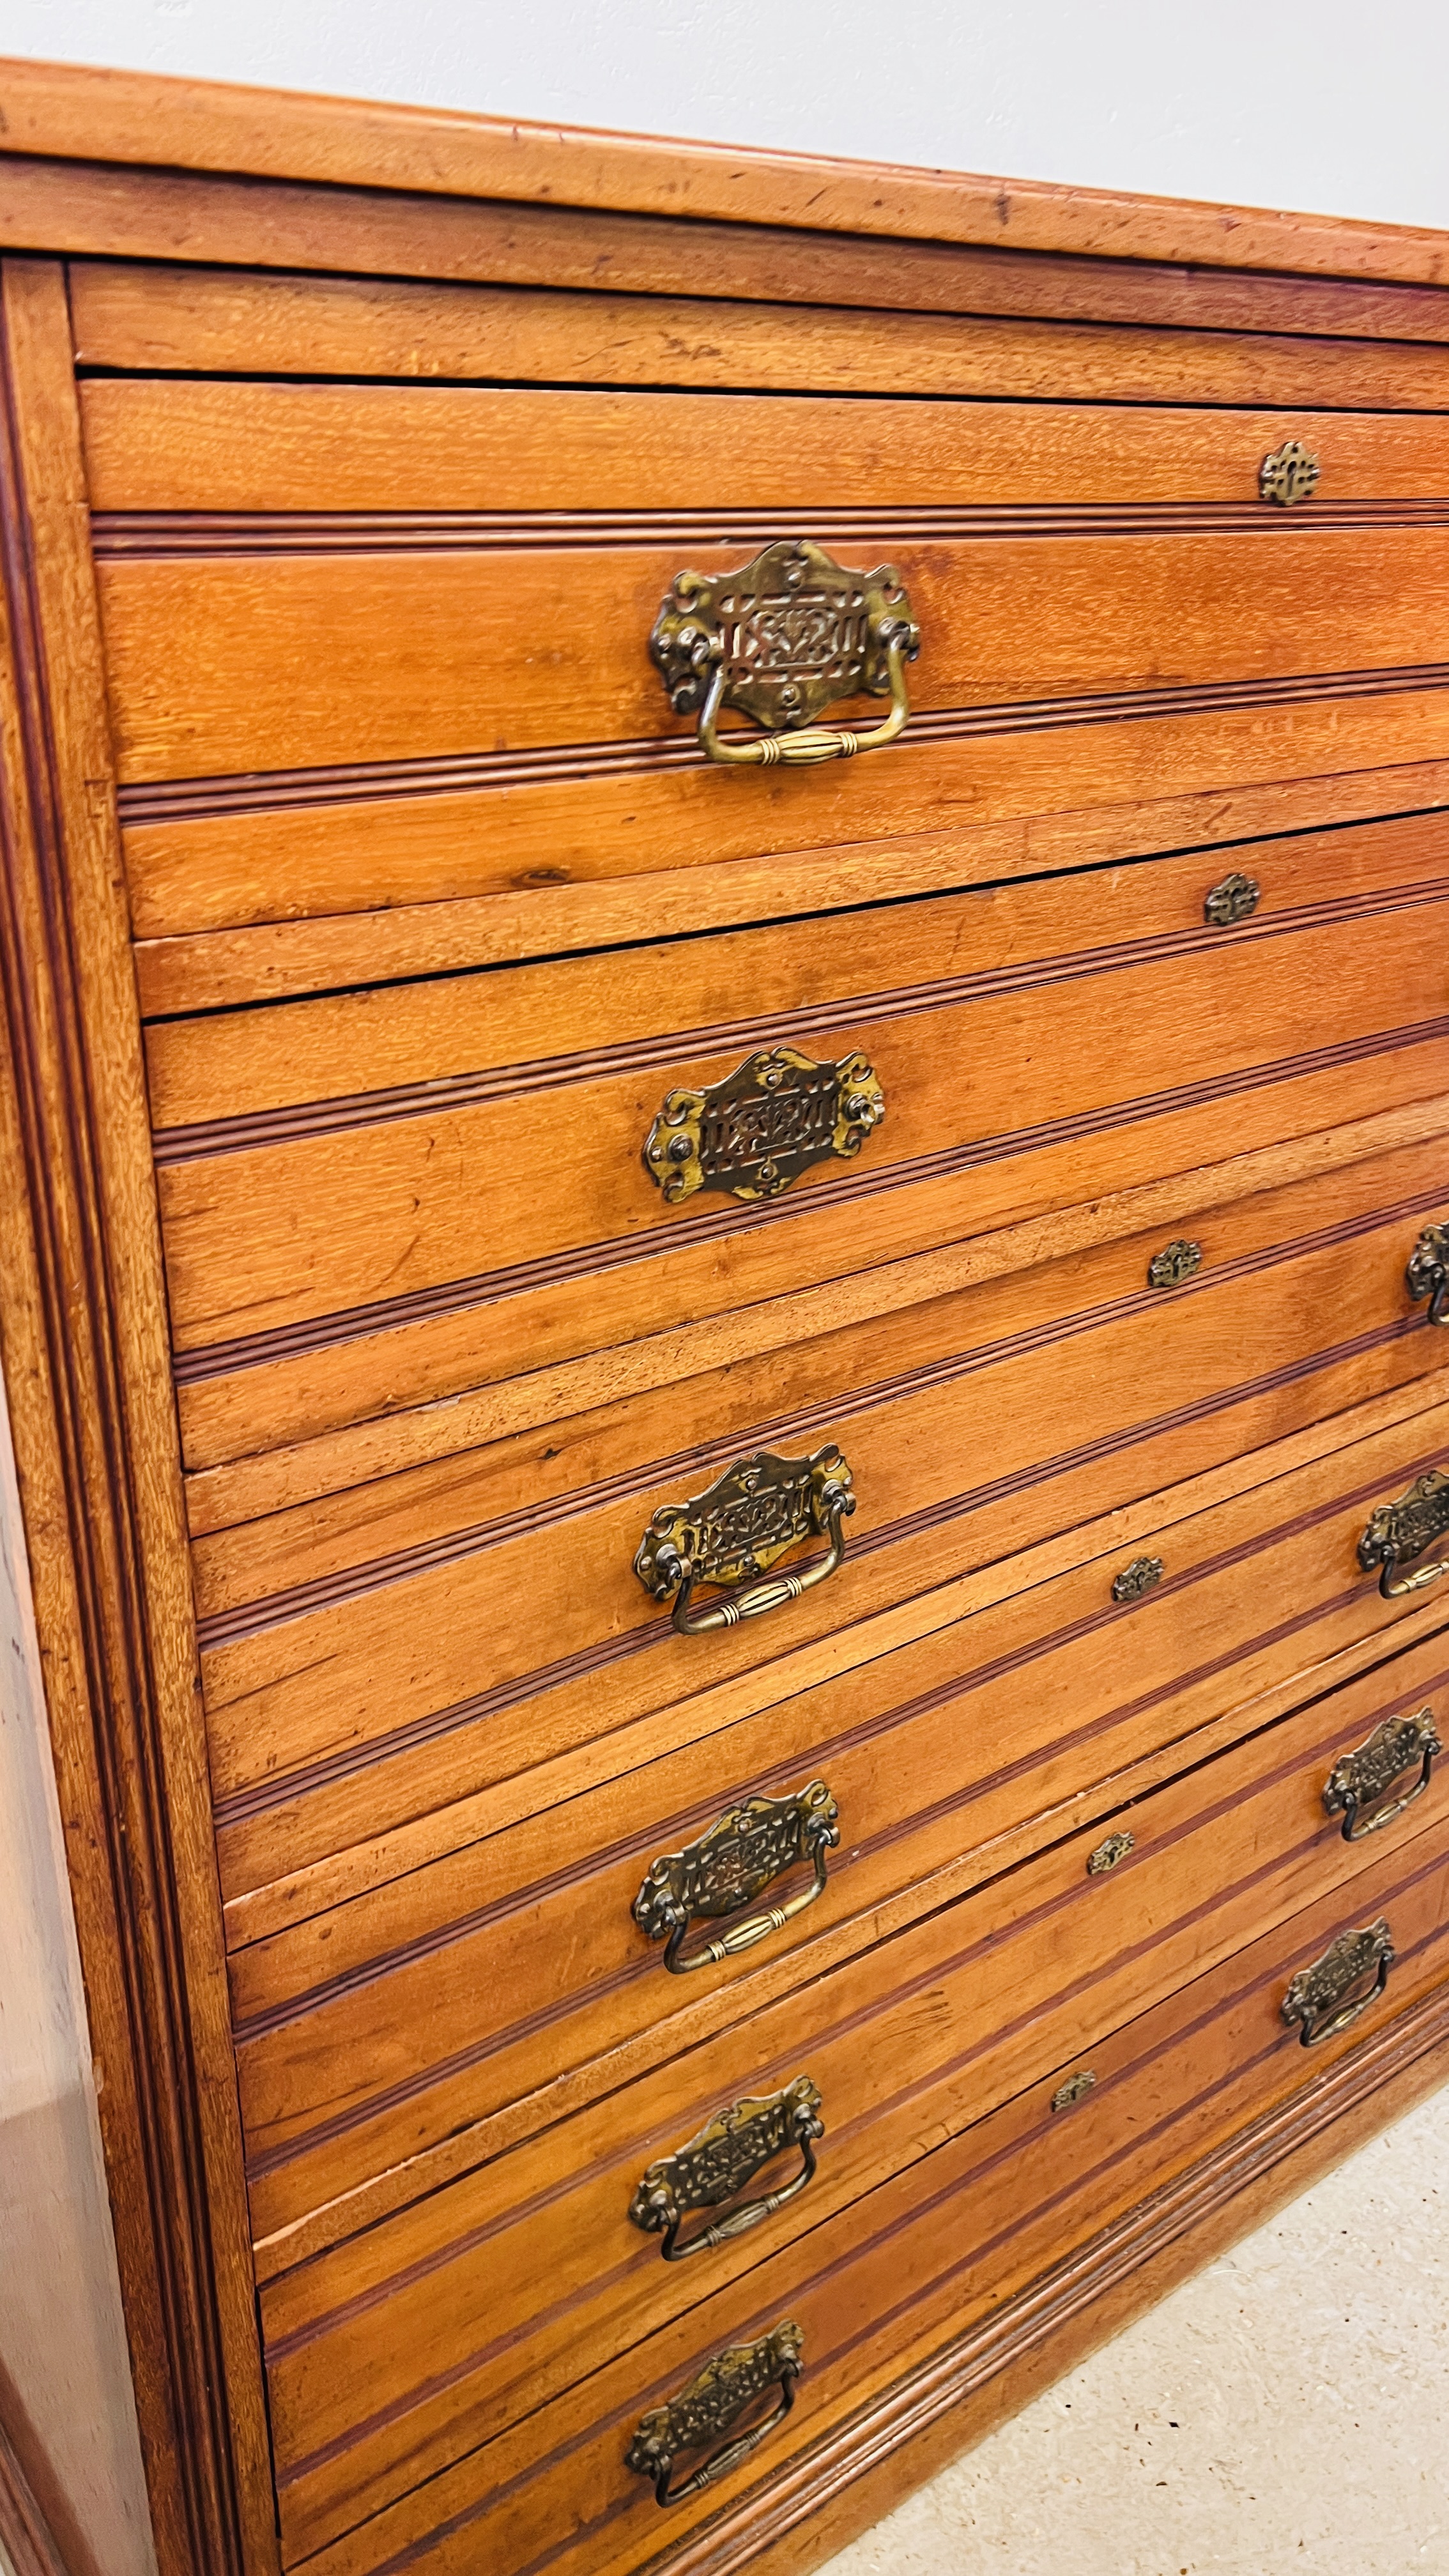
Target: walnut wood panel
{"points": [[136, 118], [581, 857], [382, 1995], [208, 447], [253, 662], [84, 1347], [1184, 2071], [534, 1179]]}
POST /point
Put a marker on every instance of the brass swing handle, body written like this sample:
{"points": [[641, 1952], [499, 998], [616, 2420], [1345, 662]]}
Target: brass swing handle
{"points": [[710, 2404], [1428, 1272], [1400, 1533], [728, 1867], [781, 639], [728, 2152], [738, 1529], [1360, 1779], [1325, 1998]]}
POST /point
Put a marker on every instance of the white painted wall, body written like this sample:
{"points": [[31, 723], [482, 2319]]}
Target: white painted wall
{"points": [[1336, 108], [67, 2392]]}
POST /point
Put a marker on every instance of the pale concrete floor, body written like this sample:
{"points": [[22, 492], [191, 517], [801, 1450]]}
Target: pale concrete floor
{"points": [[1286, 2411]]}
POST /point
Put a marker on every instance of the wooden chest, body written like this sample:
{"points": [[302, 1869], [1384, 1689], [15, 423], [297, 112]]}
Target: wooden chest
{"points": [[725, 903]]}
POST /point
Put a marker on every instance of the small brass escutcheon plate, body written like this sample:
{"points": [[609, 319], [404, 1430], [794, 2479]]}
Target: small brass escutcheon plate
{"points": [[1074, 2090], [1230, 900], [1140, 1576], [728, 2152], [728, 1867], [1176, 1262], [773, 1118], [1397, 1746], [1110, 1854], [1428, 1272], [1333, 1992], [1400, 1532], [710, 2404], [1289, 475]]}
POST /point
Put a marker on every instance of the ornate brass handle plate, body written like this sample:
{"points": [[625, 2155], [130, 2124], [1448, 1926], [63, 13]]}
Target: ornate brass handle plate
{"points": [[728, 1868], [1362, 1778], [738, 1529], [765, 1124], [728, 2152], [1428, 1272], [1399, 1533], [710, 2405], [782, 639], [1325, 1998]]}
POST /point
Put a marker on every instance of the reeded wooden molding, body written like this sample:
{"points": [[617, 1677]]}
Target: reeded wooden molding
{"points": [[1235, 2179], [83, 1340], [25, 2535], [137, 118]]}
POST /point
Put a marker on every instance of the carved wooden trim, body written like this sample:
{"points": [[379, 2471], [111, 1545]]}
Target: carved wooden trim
{"points": [[84, 1348], [1060, 2300]]}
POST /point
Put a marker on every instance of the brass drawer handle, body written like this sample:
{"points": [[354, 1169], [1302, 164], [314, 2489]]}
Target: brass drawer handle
{"points": [[1398, 1533], [708, 2407], [1359, 1778], [738, 1529], [773, 1118], [782, 639], [1322, 1998], [1428, 1272], [727, 1868], [728, 2152]]}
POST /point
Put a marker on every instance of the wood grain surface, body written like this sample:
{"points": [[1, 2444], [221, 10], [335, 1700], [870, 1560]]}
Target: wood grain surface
{"points": [[1179, 2073]]}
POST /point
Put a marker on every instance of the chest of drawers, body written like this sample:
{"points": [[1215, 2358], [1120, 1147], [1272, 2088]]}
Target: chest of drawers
{"points": [[728, 1076]]}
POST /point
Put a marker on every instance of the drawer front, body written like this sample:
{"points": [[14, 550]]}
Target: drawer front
{"points": [[454, 1173], [520, 1954], [464, 2340], [341, 680], [500, 1584]]}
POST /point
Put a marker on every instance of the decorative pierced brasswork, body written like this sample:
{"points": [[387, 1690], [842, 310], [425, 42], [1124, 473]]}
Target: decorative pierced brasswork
{"points": [[1335, 1990], [728, 2152], [1289, 475], [1399, 1533], [739, 1528], [1230, 900], [1074, 2090], [1428, 1272], [1142, 1575], [1110, 1854], [770, 1120], [711, 2404], [1176, 1262], [1396, 1747], [729, 1866], [782, 639]]}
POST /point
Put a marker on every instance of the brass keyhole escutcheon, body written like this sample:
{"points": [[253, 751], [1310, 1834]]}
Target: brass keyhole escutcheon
{"points": [[1289, 476]]}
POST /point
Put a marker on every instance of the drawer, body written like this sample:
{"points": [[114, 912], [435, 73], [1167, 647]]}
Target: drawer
{"points": [[392, 1195], [442, 1992], [441, 2319], [491, 1599], [435, 630]]}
